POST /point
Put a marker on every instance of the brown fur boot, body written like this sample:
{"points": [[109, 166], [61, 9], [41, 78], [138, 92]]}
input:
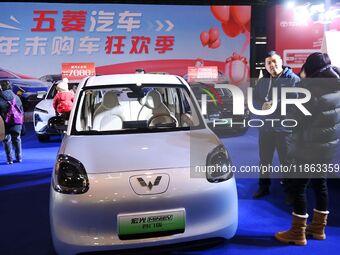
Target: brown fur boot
{"points": [[317, 227], [296, 234]]}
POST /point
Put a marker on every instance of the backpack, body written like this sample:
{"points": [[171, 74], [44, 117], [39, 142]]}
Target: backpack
{"points": [[14, 114]]}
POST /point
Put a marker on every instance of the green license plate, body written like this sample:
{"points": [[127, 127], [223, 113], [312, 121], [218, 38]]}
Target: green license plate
{"points": [[153, 224]]}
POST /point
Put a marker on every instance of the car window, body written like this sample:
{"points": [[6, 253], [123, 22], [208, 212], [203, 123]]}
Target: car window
{"points": [[52, 92], [7, 75], [224, 92], [134, 108]]}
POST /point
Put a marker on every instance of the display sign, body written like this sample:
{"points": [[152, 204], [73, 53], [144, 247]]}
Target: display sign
{"points": [[77, 71], [202, 73], [295, 58], [296, 38], [146, 223], [330, 45]]}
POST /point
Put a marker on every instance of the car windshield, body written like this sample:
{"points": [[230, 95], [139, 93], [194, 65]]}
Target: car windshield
{"points": [[7, 75], [137, 109], [53, 90], [51, 78]]}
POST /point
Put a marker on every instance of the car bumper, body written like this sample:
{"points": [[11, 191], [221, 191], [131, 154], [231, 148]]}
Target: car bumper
{"points": [[88, 222]]}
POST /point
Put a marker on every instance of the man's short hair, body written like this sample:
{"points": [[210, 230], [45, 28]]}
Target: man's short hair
{"points": [[272, 53]]}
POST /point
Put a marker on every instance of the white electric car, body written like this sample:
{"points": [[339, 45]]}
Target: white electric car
{"points": [[44, 110], [138, 167]]}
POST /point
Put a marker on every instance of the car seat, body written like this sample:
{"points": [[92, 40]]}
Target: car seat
{"points": [[161, 115], [110, 114]]}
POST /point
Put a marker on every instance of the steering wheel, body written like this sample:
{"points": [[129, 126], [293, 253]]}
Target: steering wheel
{"points": [[173, 121]]}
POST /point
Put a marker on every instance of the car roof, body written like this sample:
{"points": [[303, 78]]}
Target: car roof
{"points": [[119, 79], [4, 70]]}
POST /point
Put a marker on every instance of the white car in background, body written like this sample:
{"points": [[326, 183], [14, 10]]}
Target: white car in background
{"points": [[44, 110], [138, 167]]}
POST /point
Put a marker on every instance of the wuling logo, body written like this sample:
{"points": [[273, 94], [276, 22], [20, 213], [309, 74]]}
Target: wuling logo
{"points": [[149, 185]]}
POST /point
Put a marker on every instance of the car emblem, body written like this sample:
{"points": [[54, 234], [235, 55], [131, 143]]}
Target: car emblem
{"points": [[149, 184]]}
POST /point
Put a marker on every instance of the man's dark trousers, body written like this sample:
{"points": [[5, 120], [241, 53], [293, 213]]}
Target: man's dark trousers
{"points": [[269, 141]]}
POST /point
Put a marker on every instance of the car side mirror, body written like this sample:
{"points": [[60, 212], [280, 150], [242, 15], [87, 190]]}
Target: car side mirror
{"points": [[41, 94], [58, 123]]}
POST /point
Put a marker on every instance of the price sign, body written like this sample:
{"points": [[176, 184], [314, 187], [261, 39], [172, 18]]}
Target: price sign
{"points": [[78, 71]]}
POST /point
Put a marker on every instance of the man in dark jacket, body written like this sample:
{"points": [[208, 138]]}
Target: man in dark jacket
{"points": [[12, 131], [272, 135], [316, 140]]}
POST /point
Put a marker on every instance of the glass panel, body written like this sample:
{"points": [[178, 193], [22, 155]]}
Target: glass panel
{"points": [[127, 108]]}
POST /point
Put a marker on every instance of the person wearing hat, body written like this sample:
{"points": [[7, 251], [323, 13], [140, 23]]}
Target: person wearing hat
{"points": [[272, 136], [63, 100], [12, 130], [316, 141]]}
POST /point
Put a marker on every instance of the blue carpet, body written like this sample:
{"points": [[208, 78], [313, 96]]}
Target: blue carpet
{"points": [[24, 196]]}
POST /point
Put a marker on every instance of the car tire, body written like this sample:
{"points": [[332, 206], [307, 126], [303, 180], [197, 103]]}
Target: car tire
{"points": [[43, 138]]}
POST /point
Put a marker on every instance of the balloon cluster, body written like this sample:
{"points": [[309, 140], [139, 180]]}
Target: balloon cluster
{"points": [[211, 38], [234, 19]]}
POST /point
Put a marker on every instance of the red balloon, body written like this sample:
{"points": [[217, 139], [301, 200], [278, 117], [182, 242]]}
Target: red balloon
{"points": [[241, 14], [231, 28], [214, 34], [220, 12], [215, 44], [204, 36]]}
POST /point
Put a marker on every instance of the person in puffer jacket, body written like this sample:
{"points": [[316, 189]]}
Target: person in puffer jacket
{"points": [[12, 131], [63, 100], [316, 141]]}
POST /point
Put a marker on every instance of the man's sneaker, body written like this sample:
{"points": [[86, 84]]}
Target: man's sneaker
{"points": [[18, 158], [9, 162], [261, 192]]}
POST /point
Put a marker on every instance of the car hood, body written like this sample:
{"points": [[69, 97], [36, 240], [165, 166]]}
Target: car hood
{"points": [[145, 151], [46, 104]]}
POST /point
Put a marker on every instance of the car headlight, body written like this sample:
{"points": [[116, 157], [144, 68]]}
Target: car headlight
{"points": [[40, 110], [37, 118], [70, 176], [218, 165]]}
